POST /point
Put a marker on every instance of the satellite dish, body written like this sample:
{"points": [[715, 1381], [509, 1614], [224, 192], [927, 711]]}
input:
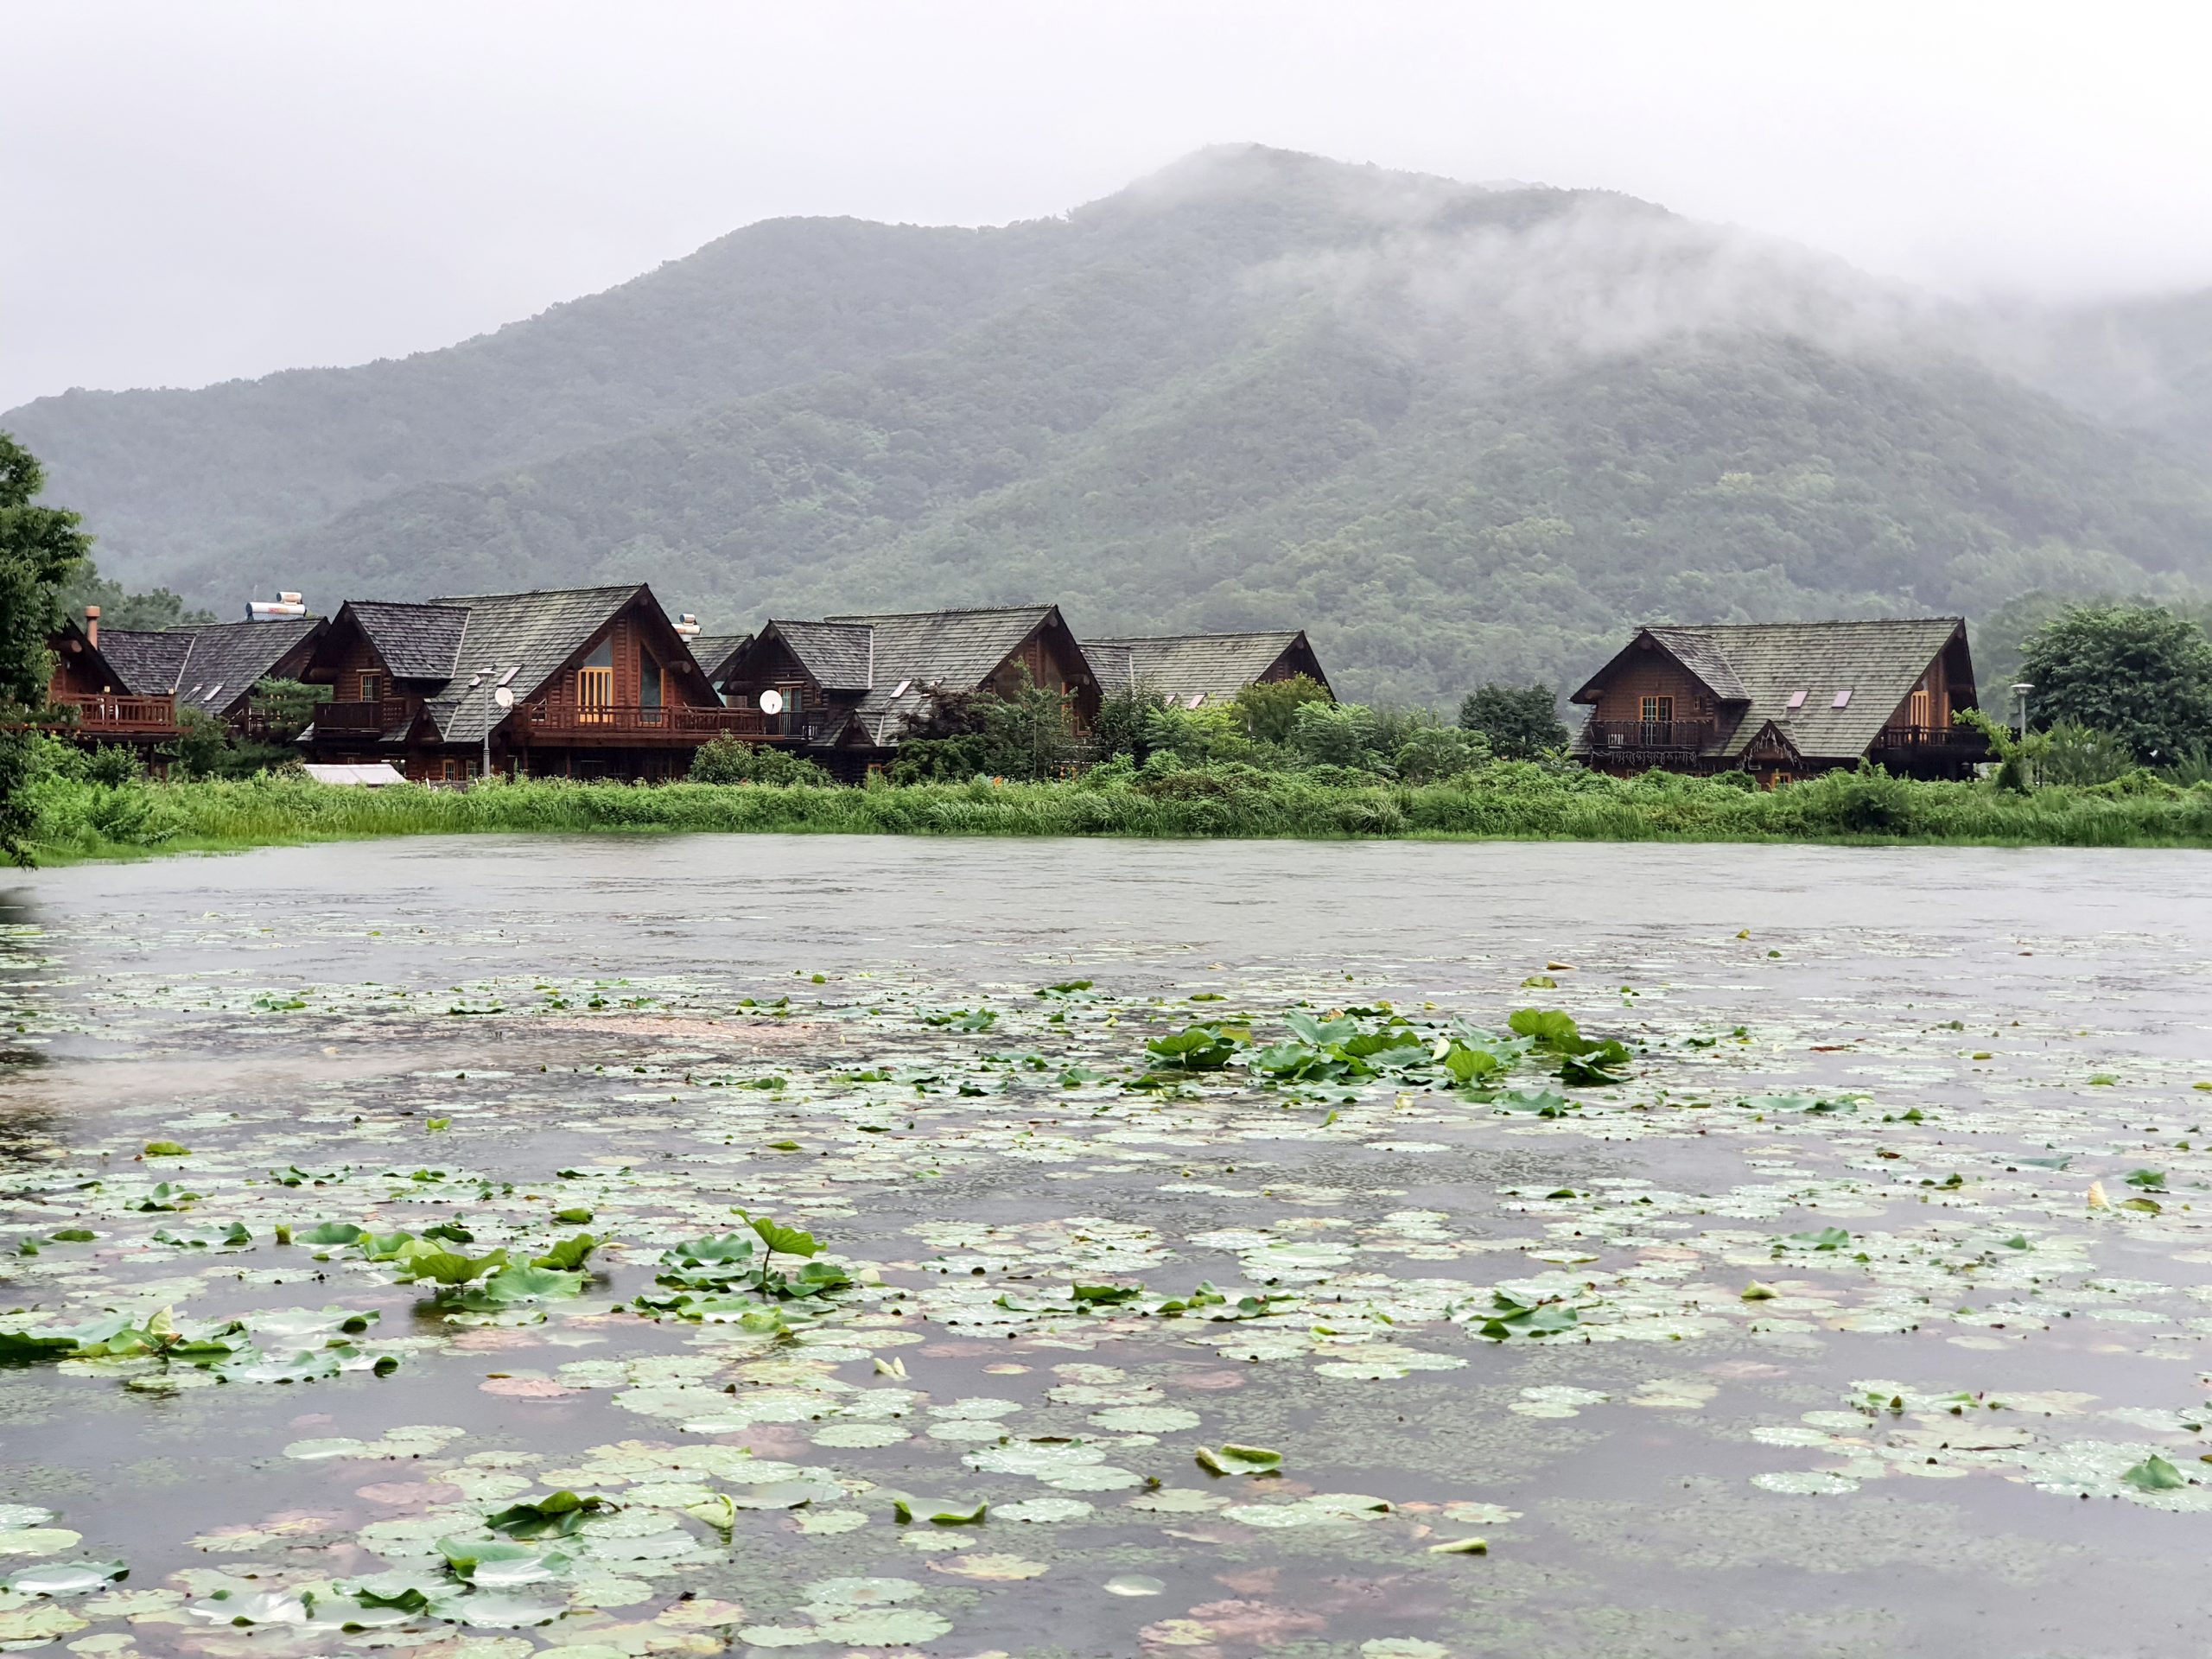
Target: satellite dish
{"points": [[503, 695], [771, 701]]}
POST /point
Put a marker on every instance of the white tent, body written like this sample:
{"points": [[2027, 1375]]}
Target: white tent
{"points": [[367, 775]]}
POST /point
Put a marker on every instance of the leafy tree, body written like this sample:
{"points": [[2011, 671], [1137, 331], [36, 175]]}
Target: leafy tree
{"points": [[2139, 672], [1269, 707], [1120, 727], [2016, 754], [733, 760], [1212, 732], [1520, 721], [1335, 734], [1028, 735], [39, 548]]}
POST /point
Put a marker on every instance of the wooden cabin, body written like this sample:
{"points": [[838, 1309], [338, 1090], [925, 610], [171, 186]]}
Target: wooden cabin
{"points": [[96, 704], [214, 669], [846, 690], [1785, 700], [1192, 669], [590, 682]]}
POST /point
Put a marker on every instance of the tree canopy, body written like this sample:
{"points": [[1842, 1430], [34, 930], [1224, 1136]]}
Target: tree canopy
{"points": [[2141, 673], [39, 548], [1520, 721]]}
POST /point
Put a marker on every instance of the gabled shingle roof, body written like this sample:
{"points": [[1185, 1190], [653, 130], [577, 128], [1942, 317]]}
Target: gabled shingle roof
{"points": [[211, 668], [151, 663], [958, 650], [840, 656], [713, 651], [1758, 668], [417, 642], [532, 633], [1214, 666]]}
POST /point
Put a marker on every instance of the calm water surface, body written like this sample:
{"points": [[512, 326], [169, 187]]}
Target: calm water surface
{"points": [[1936, 1109]]}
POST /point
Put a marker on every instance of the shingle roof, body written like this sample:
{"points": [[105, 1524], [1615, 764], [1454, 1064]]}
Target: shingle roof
{"points": [[417, 642], [211, 668], [1113, 664], [1215, 666], [1762, 665], [149, 663], [532, 633], [840, 656], [713, 651], [957, 650]]}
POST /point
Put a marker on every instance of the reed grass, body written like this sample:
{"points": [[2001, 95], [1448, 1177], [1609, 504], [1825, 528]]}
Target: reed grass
{"points": [[1505, 800]]}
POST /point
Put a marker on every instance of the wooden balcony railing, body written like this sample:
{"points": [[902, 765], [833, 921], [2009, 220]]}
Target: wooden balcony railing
{"points": [[1953, 739], [121, 714], [672, 720], [382, 714], [1626, 737]]}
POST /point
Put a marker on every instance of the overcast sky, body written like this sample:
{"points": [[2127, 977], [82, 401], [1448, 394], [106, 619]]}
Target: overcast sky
{"points": [[202, 191]]}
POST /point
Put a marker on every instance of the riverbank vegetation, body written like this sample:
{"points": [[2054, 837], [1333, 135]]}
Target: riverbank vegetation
{"points": [[76, 813]]}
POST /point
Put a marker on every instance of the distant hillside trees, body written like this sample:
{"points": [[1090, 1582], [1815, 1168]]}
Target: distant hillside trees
{"points": [[2138, 672]]}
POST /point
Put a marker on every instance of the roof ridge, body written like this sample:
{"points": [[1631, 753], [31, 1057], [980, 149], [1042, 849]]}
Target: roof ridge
{"points": [[463, 601], [1831, 622], [956, 610], [1229, 633]]}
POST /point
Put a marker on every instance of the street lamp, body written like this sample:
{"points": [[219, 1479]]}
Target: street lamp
{"points": [[2020, 691], [503, 698]]}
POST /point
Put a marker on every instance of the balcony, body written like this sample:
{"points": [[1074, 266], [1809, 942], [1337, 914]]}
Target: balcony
{"points": [[1645, 740], [361, 719], [672, 723], [1951, 742], [121, 717]]}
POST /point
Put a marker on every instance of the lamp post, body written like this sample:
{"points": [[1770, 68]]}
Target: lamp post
{"points": [[2021, 692], [503, 699]]}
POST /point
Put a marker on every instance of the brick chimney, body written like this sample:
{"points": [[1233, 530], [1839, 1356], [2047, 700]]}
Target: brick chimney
{"points": [[92, 625]]}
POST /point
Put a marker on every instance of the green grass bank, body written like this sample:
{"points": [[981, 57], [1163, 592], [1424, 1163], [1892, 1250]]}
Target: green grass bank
{"points": [[78, 819]]}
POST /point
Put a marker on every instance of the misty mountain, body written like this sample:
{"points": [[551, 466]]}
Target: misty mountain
{"points": [[1458, 433]]}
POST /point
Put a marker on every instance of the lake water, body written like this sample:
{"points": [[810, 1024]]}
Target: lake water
{"points": [[1935, 1110]]}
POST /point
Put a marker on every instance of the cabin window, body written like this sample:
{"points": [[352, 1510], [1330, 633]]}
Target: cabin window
{"points": [[1920, 708], [452, 770], [595, 684], [371, 687], [1797, 700], [794, 699], [1842, 699], [649, 681], [1658, 711]]}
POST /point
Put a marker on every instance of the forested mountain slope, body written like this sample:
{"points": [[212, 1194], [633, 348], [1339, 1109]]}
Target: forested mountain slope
{"points": [[1457, 433]]}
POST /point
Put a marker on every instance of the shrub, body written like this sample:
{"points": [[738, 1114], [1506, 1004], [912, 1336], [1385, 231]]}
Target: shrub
{"points": [[733, 760], [2070, 752], [1435, 752]]}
